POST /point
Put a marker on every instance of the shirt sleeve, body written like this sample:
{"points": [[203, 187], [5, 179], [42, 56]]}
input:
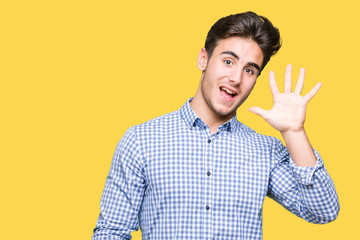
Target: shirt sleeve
{"points": [[123, 192], [308, 192]]}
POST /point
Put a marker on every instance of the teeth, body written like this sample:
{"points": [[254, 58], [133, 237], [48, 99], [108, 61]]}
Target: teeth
{"points": [[228, 91]]}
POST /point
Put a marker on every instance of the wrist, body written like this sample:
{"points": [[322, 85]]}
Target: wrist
{"points": [[293, 133], [299, 148]]}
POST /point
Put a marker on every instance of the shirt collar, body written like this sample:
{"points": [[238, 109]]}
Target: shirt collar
{"points": [[191, 119], [188, 115]]}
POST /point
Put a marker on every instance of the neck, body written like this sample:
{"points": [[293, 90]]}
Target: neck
{"points": [[210, 118]]}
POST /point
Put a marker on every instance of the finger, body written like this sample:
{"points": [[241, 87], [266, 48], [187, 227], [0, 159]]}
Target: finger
{"points": [[273, 86], [300, 82], [312, 92], [287, 85], [258, 110]]}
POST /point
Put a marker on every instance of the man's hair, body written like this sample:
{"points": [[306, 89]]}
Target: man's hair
{"points": [[246, 25]]}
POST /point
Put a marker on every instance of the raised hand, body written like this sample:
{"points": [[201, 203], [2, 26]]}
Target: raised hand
{"points": [[289, 109]]}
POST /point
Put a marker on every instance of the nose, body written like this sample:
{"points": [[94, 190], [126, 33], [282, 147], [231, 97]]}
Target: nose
{"points": [[236, 75]]}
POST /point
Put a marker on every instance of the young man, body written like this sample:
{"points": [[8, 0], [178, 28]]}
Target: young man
{"points": [[199, 173]]}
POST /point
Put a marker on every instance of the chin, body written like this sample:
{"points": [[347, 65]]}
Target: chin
{"points": [[225, 113], [223, 110]]}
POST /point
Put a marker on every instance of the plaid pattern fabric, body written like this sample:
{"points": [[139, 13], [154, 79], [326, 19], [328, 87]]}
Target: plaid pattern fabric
{"points": [[175, 180]]}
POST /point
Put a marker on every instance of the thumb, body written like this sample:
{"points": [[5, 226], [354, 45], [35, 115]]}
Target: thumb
{"points": [[257, 110]]}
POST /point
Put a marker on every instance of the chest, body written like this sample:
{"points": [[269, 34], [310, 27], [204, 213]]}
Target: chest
{"points": [[191, 166]]}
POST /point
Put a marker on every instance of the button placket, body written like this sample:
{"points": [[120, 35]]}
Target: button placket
{"points": [[209, 152]]}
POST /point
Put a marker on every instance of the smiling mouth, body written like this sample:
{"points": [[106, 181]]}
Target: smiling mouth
{"points": [[229, 92]]}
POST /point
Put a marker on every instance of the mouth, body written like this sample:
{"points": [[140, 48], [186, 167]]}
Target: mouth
{"points": [[227, 93]]}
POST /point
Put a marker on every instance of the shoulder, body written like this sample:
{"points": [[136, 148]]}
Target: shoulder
{"points": [[144, 132], [251, 135], [265, 145], [161, 123]]}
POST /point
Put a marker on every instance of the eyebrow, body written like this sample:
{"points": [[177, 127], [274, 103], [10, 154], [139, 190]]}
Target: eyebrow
{"points": [[254, 65], [237, 57], [231, 53]]}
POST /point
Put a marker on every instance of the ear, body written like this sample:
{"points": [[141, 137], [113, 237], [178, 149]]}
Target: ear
{"points": [[202, 59]]}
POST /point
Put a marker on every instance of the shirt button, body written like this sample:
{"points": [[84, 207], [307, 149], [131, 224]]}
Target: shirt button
{"points": [[207, 207], [194, 124], [209, 141], [208, 173]]}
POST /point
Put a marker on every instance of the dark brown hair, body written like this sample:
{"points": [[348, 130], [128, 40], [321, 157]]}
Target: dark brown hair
{"points": [[247, 25]]}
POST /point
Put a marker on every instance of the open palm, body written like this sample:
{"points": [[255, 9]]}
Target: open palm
{"points": [[289, 109]]}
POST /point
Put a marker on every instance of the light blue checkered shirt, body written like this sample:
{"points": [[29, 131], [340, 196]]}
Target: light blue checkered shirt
{"points": [[177, 181]]}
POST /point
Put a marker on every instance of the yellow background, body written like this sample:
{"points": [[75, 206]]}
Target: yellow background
{"points": [[76, 74]]}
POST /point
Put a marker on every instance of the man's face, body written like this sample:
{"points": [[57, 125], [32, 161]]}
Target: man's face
{"points": [[229, 75]]}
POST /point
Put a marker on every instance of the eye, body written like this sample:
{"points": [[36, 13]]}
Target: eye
{"points": [[249, 70], [228, 62]]}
